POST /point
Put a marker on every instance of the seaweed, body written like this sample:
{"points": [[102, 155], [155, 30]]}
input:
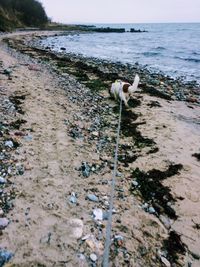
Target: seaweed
{"points": [[17, 102], [173, 245], [96, 85], [129, 128], [16, 124], [126, 159], [154, 104], [153, 150], [133, 103], [197, 156], [152, 91], [154, 192]]}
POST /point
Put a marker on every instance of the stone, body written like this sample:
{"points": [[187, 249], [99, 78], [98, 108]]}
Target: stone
{"points": [[95, 134], [9, 144], [165, 261], [2, 180], [28, 138], [98, 214], [3, 223], [85, 169], [93, 198], [151, 210], [76, 226], [93, 257], [94, 244], [73, 198], [145, 206], [119, 174], [119, 240], [7, 71], [5, 256], [135, 183]]}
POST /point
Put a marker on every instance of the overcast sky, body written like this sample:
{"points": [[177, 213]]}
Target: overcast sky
{"points": [[122, 11]]}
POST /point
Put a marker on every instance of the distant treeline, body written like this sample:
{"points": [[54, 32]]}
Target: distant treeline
{"points": [[20, 13]]}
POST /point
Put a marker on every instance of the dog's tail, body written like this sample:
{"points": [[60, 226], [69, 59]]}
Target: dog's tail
{"points": [[134, 86]]}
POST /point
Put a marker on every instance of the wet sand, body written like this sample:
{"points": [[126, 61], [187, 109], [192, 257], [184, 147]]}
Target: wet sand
{"points": [[67, 125]]}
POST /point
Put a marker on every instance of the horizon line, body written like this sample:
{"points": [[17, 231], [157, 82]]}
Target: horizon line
{"points": [[172, 22]]}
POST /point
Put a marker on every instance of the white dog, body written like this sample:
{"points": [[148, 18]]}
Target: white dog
{"points": [[123, 90]]}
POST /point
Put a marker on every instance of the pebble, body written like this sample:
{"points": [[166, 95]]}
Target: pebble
{"points": [[119, 240], [135, 183], [165, 261], [2, 180], [73, 198], [76, 226], [9, 144], [19, 169], [119, 174], [5, 256], [81, 256], [7, 71], [98, 214], [151, 210], [85, 169], [95, 134], [3, 223], [93, 257], [145, 206], [28, 138], [93, 198]]}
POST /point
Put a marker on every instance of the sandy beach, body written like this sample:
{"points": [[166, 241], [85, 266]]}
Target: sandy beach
{"points": [[59, 167]]}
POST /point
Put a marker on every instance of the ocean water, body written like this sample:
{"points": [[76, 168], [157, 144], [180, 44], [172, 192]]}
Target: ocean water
{"points": [[172, 48]]}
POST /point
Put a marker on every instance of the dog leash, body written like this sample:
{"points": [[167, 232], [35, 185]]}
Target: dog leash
{"points": [[106, 254]]}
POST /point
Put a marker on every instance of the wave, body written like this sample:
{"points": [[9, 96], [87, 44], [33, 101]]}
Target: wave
{"points": [[160, 48], [150, 54], [195, 53], [189, 59]]}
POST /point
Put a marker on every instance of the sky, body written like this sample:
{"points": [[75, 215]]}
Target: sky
{"points": [[122, 11]]}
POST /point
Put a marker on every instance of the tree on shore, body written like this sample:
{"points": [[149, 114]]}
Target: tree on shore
{"points": [[25, 12]]}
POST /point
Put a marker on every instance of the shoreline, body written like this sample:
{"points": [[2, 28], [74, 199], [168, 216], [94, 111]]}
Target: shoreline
{"points": [[158, 138], [154, 83]]}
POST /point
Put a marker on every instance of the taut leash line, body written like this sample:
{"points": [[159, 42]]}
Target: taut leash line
{"points": [[106, 254]]}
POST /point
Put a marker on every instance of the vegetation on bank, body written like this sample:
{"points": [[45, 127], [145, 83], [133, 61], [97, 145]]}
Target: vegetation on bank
{"points": [[21, 13]]}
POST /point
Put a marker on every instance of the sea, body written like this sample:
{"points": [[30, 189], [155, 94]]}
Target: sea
{"points": [[170, 48]]}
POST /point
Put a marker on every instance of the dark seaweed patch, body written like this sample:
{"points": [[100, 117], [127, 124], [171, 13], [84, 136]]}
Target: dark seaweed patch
{"points": [[17, 101], [83, 66], [7, 200], [129, 128], [127, 154], [155, 92], [173, 245], [126, 159], [153, 150], [96, 85], [133, 102], [196, 155], [61, 64], [81, 76], [154, 192], [16, 124], [154, 104]]}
